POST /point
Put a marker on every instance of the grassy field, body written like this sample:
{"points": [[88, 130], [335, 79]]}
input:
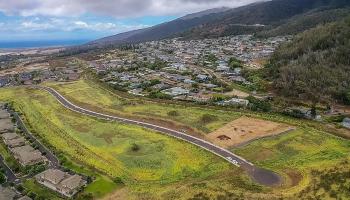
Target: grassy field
{"points": [[89, 94], [108, 146], [296, 155], [165, 168]]}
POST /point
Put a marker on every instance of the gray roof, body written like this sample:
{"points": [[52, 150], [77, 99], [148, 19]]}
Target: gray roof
{"points": [[27, 155], [54, 176], [10, 136], [16, 142], [4, 114], [73, 182], [7, 193], [6, 125]]}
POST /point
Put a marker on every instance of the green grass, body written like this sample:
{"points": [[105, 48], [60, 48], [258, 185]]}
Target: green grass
{"points": [[300, 151], [163, 167], [106, 146], [91, 95], [101, 184], [87, 93], [40, 191], [10, 160]]}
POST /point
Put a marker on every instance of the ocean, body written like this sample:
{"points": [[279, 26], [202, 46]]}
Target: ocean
{"points": [[37, 44]]}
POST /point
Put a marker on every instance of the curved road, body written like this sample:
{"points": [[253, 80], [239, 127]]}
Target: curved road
{"points": [[262, 176]]}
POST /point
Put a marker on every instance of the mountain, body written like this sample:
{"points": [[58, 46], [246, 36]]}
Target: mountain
{"points": [[305, 21], [271, 14], [315, 66], [163, 30], [260, 17]]}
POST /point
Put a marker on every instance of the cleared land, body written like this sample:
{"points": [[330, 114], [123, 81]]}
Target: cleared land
{"points": [[164, 167], [245, 129]]}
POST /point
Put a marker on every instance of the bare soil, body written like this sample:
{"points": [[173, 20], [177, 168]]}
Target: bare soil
{"points": [[245, 129]]}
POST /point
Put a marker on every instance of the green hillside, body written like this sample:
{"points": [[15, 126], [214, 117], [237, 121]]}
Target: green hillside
{"points": [[315, 66]]}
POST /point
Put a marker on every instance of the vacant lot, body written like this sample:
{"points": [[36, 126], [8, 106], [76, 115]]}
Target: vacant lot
{"points": [[92, 96], [160, 167], [109, 147], [245, 129]]}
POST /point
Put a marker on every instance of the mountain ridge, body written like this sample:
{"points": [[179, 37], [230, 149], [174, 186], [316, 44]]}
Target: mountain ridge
{"points": [[219, 22]]}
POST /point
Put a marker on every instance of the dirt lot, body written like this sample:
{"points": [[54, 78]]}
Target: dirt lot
{"points": [[28, 68], [245, 129], [237, 93]]}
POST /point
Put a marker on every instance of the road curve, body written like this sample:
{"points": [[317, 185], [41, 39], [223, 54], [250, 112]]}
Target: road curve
{"points": [[262, 176]]}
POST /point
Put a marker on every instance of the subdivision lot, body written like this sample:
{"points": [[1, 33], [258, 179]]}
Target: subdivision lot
{"points": [[245, 129], [164, 167]]}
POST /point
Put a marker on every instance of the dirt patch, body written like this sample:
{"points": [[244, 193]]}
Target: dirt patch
{"points": [[120, 194], [294, 176], [263, 154], [108, 137], [83, 128], [237, 93], [28, 68], [245, 129]]}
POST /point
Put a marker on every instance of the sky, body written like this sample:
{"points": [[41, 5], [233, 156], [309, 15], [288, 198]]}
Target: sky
{"points": [[38, 20]]}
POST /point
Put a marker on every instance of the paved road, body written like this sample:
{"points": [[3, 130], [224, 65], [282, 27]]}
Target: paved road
{"points": [[53, 160], [262, 176]]}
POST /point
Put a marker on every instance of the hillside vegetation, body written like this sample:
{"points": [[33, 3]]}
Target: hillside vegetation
{"points": [[279, 17], [315, 66], [305, 22]]}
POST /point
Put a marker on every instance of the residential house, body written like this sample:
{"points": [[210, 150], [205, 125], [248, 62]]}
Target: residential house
{"points": [[234, 101], [7, 193], [4, 81], [6, 125], [17, 142], [9, 136], [27, 155], [346, 123], [61, 182], [176, 91]]}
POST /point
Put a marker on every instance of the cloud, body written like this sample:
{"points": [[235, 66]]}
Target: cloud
{"points": [[66, 25], [115, 8]]}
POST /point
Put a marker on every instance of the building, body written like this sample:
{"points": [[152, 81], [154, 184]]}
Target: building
{"points": [[6, 125], [15, 142], [27, 155], [7, 193], [9, 136], [346, 123], [234, 101], [176, 91], [4, 114], [61, 182]]}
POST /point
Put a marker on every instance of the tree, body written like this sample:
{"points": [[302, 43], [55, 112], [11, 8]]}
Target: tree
{"points": [[135, 147], [207, 118], [173, 113], [2, 178], [235, 63]]}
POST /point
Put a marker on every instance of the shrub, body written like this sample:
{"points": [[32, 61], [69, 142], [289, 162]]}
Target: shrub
{"points": [[135, 147], [207, 118], [2, 178], [259, 105], [173, 113], [118, 180]]}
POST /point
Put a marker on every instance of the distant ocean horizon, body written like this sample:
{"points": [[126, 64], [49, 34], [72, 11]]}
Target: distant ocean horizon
{"points": [[39, 44]]}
